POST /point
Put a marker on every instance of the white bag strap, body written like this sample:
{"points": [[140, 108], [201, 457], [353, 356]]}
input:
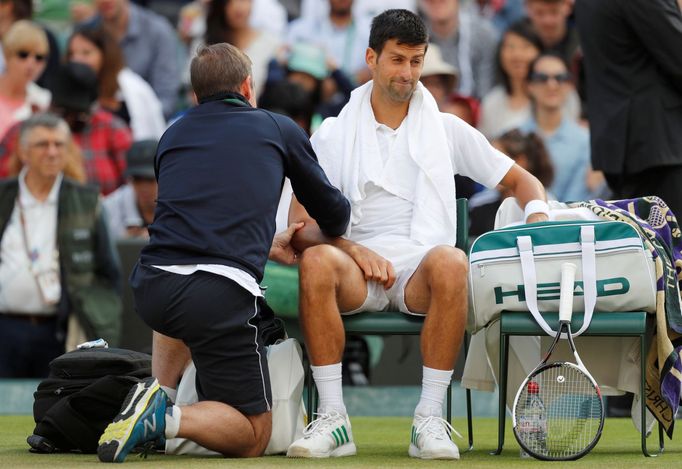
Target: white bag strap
{"points": [[587, 239], [530, 281], [589, 259]]}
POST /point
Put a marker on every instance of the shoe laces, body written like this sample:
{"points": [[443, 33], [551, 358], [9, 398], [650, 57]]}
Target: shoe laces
{"points": [[322, 422], [437, 427], [147, 449]]}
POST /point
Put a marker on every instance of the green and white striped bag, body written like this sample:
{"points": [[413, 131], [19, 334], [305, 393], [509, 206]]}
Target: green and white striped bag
{"points": [[519, 269]]}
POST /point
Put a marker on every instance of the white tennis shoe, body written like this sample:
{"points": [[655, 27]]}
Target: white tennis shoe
{"points": [[431, 439], [327, 436]]}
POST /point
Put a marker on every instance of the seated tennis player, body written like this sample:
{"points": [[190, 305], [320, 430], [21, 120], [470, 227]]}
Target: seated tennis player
{"points": [[394, 156]]}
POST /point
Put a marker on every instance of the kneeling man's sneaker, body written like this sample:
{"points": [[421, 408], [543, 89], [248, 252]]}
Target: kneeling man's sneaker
{"points": [[431, 439], [328, 436], [142, 420]]}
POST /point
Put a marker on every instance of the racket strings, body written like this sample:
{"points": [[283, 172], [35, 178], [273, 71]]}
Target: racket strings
{"points": [[572, 412]]}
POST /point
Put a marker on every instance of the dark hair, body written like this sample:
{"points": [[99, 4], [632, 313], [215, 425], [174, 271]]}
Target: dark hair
{"points": [[524, 29], [315, 95], [515, 144], [402, 25], [21, 9], [544, 55], [290, 99], [218, 68], [217, 29], [75, 89], [112, 58]]}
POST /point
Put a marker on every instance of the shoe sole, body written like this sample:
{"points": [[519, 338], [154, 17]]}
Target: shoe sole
{"points": [[414, 452], [132, 409], [348, 449]]}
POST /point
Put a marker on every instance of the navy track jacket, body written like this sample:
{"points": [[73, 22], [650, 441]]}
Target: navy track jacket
{"points": [[220, 170]]}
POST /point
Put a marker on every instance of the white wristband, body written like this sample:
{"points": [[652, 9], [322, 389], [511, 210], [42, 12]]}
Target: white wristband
{"points": [[535, 206]]}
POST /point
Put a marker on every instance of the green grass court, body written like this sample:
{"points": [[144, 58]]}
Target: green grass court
{"points": [[381, 441]]}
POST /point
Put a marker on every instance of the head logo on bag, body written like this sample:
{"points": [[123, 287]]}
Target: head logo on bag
{"points": [[550, 291], [616, 271]]}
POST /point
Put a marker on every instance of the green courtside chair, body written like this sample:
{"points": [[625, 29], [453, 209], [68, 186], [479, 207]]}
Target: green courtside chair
{"points": [[604, 324], [388, 323], [282, 296]]}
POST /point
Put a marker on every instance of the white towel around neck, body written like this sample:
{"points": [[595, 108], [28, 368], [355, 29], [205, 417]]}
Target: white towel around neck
{"points": [[348, 150]]}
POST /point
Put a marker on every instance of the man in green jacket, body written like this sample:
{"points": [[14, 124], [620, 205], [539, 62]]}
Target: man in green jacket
{"points": [[58, 271]]}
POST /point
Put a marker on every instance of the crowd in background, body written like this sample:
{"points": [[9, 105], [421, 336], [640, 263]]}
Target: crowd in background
{"points": [[117, 71], [87, 88]]}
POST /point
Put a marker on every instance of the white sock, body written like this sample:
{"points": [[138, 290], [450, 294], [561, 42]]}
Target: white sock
{"points": [[170, 392], [434, 386], [173, 416], [329, 386]]}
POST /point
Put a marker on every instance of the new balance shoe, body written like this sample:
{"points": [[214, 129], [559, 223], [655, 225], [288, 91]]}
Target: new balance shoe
{"points": [[431, 439], [327, 436], [142, 420]]}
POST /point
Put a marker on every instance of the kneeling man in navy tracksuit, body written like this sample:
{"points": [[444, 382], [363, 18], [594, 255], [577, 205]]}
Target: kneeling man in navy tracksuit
{"points": [[220, 170]]}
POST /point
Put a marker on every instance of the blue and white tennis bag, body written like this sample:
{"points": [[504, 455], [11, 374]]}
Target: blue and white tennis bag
{"points": [[519, 269]]}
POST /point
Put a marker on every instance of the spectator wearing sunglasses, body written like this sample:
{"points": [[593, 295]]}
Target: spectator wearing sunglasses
{"points": [[25, 48], [568, 143], [12, 11], [507, 105]]}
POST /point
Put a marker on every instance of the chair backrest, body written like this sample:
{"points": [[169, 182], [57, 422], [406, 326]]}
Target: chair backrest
{"points": [[462, 225], [136, 335]]}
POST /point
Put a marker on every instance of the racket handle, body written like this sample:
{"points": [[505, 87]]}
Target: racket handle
{"points": [[566, 296]]}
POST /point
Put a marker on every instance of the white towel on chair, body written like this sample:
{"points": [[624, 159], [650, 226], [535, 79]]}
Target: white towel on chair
{"points": [[348, 150]]}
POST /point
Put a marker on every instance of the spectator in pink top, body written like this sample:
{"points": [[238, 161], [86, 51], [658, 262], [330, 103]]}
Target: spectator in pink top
{"points": [[25, 48]]}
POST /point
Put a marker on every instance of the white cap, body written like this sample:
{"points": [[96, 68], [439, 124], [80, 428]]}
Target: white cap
{"points": [[435, 65]]}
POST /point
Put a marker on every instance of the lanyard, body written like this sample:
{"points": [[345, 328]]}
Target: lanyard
{"points": [[47, 280], [33, 254]]}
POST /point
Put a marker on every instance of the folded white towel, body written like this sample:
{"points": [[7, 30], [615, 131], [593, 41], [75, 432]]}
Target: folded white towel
{"points": [[348, 150]]}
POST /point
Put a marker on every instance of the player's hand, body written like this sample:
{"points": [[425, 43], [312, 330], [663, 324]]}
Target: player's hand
{"points": [[281, 250], [137, 232], [375, 267], [537, 217]]}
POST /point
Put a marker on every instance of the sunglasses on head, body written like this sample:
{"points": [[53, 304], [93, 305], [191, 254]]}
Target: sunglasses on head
{"points": [[24, 54], [539, 77]]}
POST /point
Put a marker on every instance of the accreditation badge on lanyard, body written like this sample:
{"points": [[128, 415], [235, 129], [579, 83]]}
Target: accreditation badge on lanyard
{"points": [[44, 266]]}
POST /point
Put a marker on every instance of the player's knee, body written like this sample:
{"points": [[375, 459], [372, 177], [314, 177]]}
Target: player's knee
{"points": [[318, 267], [446, 263], [256, 450], [262, 430], [322, 258]]}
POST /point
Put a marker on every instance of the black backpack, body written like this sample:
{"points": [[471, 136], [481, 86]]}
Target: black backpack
{"points": [[82, 395]]}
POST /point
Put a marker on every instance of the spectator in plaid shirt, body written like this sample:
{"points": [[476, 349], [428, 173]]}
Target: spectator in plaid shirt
{"points": [[103, 138]]}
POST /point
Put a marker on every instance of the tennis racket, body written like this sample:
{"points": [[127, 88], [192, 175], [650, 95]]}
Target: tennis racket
{"points": [[558, 412]]}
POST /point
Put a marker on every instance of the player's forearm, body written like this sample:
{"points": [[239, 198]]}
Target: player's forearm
{"points": [[308, 236], [311, 235], [529, 189], [523, 185]]}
